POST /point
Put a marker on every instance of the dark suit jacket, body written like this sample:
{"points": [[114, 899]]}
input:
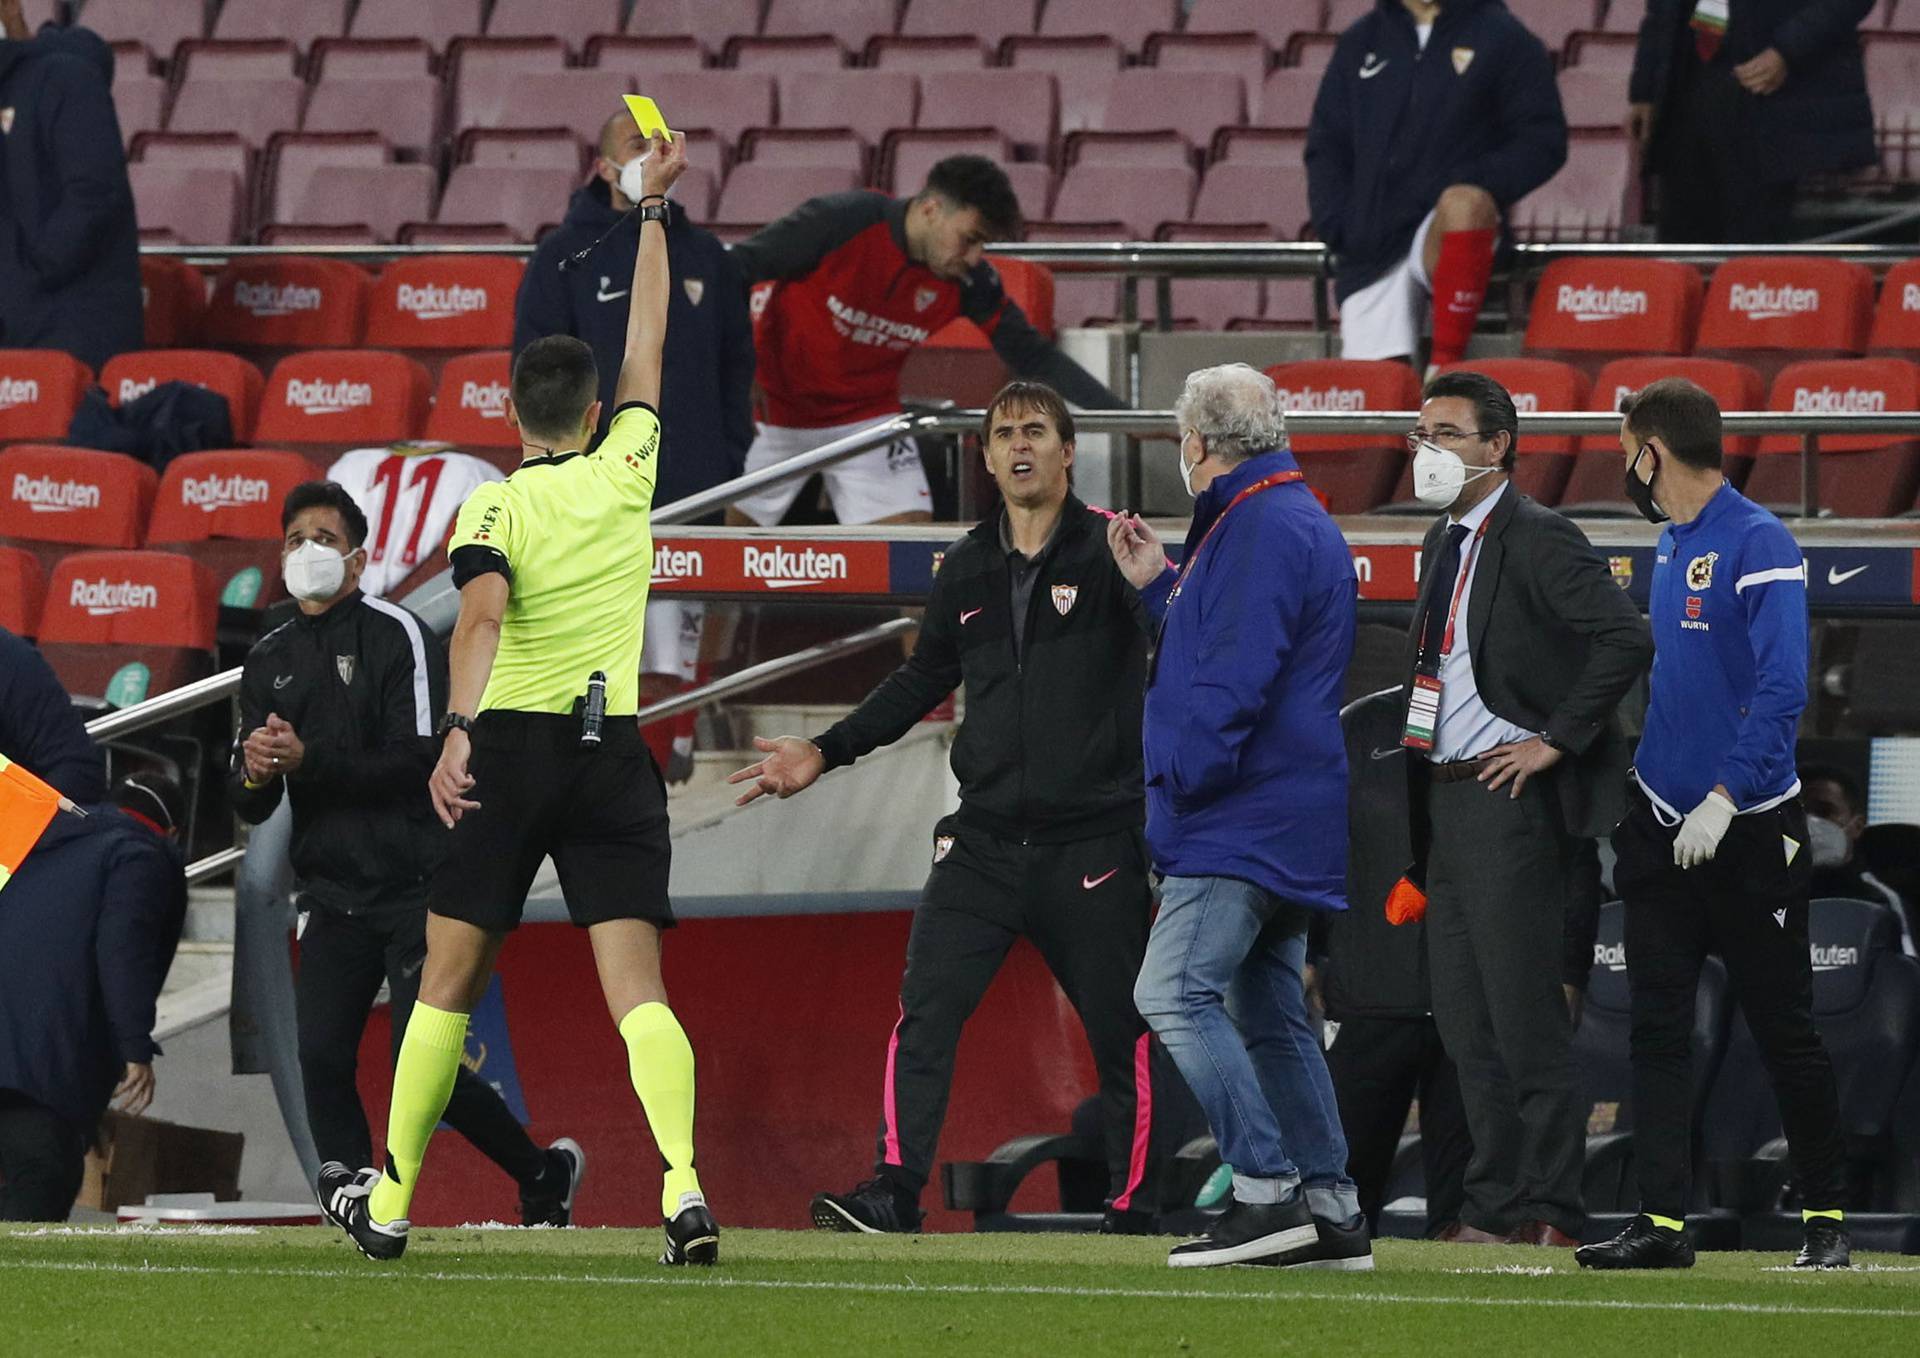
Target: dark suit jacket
{"points": [[1556, 644]]}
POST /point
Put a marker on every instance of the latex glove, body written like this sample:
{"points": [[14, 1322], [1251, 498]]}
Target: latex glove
{"points": [[1702, 830]]}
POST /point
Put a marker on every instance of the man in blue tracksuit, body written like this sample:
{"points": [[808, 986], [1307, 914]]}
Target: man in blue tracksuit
{"points": [[1434, 118], [1246, 817], [1713, 854]]}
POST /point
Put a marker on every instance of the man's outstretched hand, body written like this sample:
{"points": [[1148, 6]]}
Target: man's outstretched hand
{"points": [[666, 162], [1136, 549], [791, 765]]}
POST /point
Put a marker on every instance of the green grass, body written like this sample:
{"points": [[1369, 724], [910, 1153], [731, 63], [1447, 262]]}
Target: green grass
{"points": [[476, 1293]]}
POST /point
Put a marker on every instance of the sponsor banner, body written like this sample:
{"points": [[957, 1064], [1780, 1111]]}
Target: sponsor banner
{"points": [[772, 566], [1841, 576], [215, 492], [433, 302], [18, 391], [46, 495], [1595, 303]]}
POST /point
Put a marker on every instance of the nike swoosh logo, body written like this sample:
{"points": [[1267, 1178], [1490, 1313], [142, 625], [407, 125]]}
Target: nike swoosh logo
{"points": [[1839, 577], [1089, 883], [1390, 753], [969, 615], [282, 682], [602, 295], [1371, 68]]}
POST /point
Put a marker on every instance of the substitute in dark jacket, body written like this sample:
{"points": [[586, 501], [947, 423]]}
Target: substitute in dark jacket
{"points": [[1521, 649], [88, 927], [69, 245], [337, 713], [1734, 116], [1030, 614], [1420, 142], [39, 728]]}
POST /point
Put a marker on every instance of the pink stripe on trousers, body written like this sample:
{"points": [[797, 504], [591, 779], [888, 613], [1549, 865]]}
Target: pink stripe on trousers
{"points": [[1142, 1119], [887, 1105]]}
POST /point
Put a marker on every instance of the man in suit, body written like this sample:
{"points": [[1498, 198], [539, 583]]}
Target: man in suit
{"points": [[1521, 649]]}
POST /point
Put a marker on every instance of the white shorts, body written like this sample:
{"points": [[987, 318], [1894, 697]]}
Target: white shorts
{"points": [[670, 640], [1385, 318], [865, 488]]}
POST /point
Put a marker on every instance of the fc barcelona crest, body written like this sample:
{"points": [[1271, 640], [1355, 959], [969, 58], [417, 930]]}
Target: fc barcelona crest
{"points": [[1063, 598], [1622, 568], [343, 666]]}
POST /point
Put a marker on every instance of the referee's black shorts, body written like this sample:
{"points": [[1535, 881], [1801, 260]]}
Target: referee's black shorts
{"points": [[600, 814]]}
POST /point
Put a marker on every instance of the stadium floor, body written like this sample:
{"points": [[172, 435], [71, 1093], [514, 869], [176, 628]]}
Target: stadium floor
{"points": [[476, 1292]]}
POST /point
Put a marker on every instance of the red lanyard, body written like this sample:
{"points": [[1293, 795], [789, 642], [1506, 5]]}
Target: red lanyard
{"points": [[1460, 586], [1264, 483]]}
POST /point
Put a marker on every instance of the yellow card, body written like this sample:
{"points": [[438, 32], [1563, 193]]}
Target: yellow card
{"points": [[647, 116]]}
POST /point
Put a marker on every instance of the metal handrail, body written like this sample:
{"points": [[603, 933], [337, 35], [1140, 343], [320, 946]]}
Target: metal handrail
{"points": [[214, 865], [187, 698], [778, 668]]}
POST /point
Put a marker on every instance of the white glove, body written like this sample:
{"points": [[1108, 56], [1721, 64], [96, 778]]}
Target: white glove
{"points": [[1702, 830]]}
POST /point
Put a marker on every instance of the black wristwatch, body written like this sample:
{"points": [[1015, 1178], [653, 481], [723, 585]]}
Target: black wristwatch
{"points": [[456, 721], [652, 210], [1552, 744]]}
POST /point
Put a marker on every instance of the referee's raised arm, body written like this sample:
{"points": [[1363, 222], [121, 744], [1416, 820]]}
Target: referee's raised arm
{"points": [[647, 313]]}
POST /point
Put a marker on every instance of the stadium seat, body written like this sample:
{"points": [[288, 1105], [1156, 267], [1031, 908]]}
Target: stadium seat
{"points": [[535, 148], [255, 109], [1595, 485], [523, 199], [39, 391], [1554, 21], [437, 21], [574, 23], [470, 407], [1769, 310], [1624, 16], [1082, 67], [160, 24], [54, 501], [1145, 99], [130, 376], [1131, 21], [1245, 55], [1027, 285], [1603, 51], [644, 58], [1310, 51], [1023, 105], [196, 206], [196, 150], [1285, 99], [760, 193], [696, 189], [380, 197], [1587, 200], [1593, 96], [458, 233], [1545, 461], [959, 52], [292, 158], [723, 102], [867, 103], [222, 508], [405, 109], [817, 53], [850, 21], [295, 236], [1274, 18], [369, 59], [1860, 475], [906, 155], [444, 302], [329, 400], [1344, 14], [1896, 321], [139, 100], [263, 59], [1214, 303], [482, 73], [23, 588], [173, 294], [1588, 309], [286, 302], [991, 21], [1275, 196], [710, 21], [1356, 472], [1259, 145], [826, 148], [1101, 192], [125, 626], [1080, 300], [1162, 148], [579, 100], [298, 21]]}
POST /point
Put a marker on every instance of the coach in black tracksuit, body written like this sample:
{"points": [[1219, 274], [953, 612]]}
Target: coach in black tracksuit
{"points": [[338, 710], [1030, 613]]}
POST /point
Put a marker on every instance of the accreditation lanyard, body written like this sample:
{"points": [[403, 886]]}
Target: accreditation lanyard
{"points": [[1423, 699], [1186, 567]]}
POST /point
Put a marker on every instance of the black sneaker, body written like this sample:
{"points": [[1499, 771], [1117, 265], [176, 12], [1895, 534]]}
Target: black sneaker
{"points": [[1827, 1245], [1118, 1221], [1641, 1245], [551, 1204], [1248, 1231], [343, 1198], [693, 1236], [1345, 1249], [876, 1207]]}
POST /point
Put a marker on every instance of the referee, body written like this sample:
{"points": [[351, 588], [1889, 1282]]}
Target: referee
{"points": [[543, 756], [1713, 854]]}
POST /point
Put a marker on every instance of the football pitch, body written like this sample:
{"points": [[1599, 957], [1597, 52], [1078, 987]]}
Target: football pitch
{"points": [[477, 1292]]}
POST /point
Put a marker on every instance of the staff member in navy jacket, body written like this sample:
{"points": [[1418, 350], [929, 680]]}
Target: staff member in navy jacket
{"points": [[1246, 817], [39, 728], [1713, 853], [1432, 120]]}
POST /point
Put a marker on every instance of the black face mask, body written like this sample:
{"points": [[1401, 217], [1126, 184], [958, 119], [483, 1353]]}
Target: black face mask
{"points": [[1641, 492]]}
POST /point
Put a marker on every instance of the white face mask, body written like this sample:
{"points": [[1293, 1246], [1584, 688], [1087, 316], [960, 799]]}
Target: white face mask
{"points": [[313, 572], [632, 185], [1439, 475], [1827, 842], [1186, 470]]}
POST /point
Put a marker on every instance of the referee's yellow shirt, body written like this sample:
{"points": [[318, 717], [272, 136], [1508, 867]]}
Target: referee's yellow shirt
{"points": [[572, 536]]}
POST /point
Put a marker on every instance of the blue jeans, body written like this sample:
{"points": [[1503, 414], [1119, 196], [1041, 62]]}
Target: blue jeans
{"points": [[1222, 985]]}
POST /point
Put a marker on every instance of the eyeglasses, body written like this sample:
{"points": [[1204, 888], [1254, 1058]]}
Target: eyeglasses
{"points": [[1442, 434]]}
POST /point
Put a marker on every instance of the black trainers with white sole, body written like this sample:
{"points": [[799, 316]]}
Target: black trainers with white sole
{"points": [[693, 1236], [343, 1198], [551, 1204], [1336, 1248], [1249, 1231]]}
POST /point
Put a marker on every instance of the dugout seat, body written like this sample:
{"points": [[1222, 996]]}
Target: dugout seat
{"points": [[139, 96], [125, 626], [1356, 472], [39, 391], [55, 501], [470, 408], [521, 148], [402, 107], [575, 99], [482, 73], [1587, 200], [1082, 68], [1586, 311], [369, 59], [832, 150], [1024, 105], [1285, 98], [293, 158], [1545, 461], [1273, 196], [1896, 320], [522, 198], [437, 303], [866, 103], [1595, 485], [268, 305], [908, 153], [1080, 300], [23, 588], [1859, 475], [222, 508], [1151, 194], [254, 108], [327, 401], [439, 22], [1247, 55], [1772, 310], [130, 376], [194, 206], [1214, 303], [173, 294], [1148, 99], [991, 21], [760, 193]]}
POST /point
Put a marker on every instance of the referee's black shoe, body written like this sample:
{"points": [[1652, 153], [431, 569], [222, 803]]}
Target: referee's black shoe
{"points": [[550, 1202], [1641, 1245], [1276, 1233], [1827, 1245], [343, 1198], [876, 1207], [693, 1236]]}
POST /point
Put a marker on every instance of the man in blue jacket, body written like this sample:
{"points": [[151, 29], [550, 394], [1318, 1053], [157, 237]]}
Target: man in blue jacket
{"points": [[88, 927], [69, 245], [1713, 854], [1432, 120], [1246, 817], [39, 727]]}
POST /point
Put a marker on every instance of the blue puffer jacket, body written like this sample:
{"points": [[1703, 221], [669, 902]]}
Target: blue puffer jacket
{"points": [[1246, 766]]}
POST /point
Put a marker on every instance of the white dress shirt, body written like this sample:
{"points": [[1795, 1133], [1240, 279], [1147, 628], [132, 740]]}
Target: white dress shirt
{"points": [[1466, 729]]}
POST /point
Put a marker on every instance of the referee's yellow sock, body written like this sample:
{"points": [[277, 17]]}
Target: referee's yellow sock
{"points": [[422, 1083], [660, 1063]]}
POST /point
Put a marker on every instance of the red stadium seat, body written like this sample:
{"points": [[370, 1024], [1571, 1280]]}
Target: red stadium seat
{"points": [[1554, 21], [195, 150], [763, 193], [1603, 51], [298, 21], [139, 101], [1545, 461], [293, 157], [1286, 98], [458, 233], [329, 400], [868, 103], [1260, 145], [380, 197], [405, 109], [1080, 299], [907, 155], [173, 294], [1311, 51], [524, 199], [958, 52], [55, 500], [573, 23], [1023, 105], [644, 58], [816, 53], [851, 21], [1092, 147], [1131, 21], [1860, 475], [262, 59], [1593, 96], [711, 21], [1082, 67], [1587, 200], [1214, 303], [442, 302], [130, 376], [23, 588], [1273, 18], [437, 21], [125, 626], [826, 148], [287, 302], [1624, 16], [990, 21], [470, 408], [370, 59], [1145, 99], [535, 149], [1344, 14], [39, 391], [1595, 485], [723, 102], [199, 207], [160, 24], [580, 101], [1028, 285], [256, 109], [1274, 196], [222, 508], [482, 72], [1769, 310], [1100, 192], [293, 235], [1356, 472], [1896, 322], [1591, 308], [1246, 55]]}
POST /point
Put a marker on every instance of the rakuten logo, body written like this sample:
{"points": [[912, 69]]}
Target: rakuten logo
{"points": [[44, 495], [15, 391], [275, 299], [1599, 304], [328, 398], [208, 493], [431, 302], [1325, 398], [1834, 958], [1612, 956], [103, 597], [785, 569], [489, 398], [132, 389], [1762, 303], [1526, 401], [1910, 297], [671, 565], [1833, 401]]}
